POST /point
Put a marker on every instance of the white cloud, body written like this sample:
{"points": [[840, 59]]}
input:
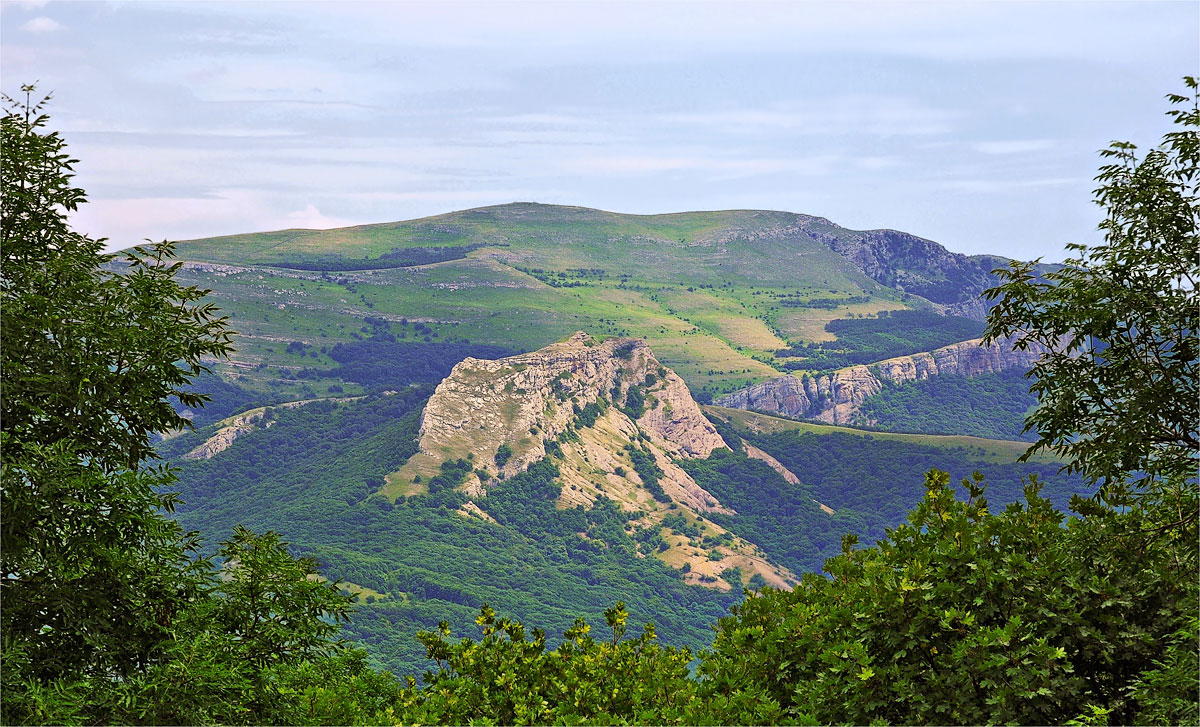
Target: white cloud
{"points": [[874, 115], [310, 218], [42, 24], [1014, 146], [718, 168]]}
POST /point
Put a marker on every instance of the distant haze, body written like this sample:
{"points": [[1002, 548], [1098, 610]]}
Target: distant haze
{"points": [[973, 124]]}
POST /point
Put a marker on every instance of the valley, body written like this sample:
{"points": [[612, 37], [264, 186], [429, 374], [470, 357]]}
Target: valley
{"points": [[554, 482]]}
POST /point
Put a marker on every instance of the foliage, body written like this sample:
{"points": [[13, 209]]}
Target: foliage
{"points": [[988, 405], [635, 402], [782, 519], [89, 356], [397, 258], [277, 612], [587, 415], [965, 616], [91, 571], [110, 615], [648, 470], [380, 363], [503, 454], [223, 399], [872, 483], [1118, 390], [509, 678]]}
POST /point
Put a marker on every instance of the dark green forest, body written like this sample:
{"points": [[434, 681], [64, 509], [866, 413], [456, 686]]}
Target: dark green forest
{"points": [[890, 334], [993, 406]]}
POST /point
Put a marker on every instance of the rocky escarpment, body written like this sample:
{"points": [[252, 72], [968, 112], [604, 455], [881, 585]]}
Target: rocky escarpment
{"points": [[609, 416], [484, 404], [835, 397], [916, 265]]}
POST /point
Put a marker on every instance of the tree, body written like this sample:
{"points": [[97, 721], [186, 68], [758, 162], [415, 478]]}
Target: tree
{"points": [[109, 613], [967, 616], [508, 678], [1118, 390], [91, 570]]}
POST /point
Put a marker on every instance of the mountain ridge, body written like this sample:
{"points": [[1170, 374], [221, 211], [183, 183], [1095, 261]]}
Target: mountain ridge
{"points": [[834, 398], [891, 257]]}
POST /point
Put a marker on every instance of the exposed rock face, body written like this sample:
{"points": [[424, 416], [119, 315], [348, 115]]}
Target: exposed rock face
{"points": [[482, 404], [914, 264], [575, 398], [835, 398]]}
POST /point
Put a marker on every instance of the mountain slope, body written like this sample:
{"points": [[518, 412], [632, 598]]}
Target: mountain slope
{"points": [[613, 421], [717, 294], [522, 538]]}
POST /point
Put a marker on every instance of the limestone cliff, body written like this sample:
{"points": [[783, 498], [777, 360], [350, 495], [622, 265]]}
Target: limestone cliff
{"points": [[522, 401], [576, 401], [835, 397]]}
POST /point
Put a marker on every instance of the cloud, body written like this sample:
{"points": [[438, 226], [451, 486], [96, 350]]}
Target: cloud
{"points": [[714, 167], [42, 24], [1014, 146], [310, 218], [860, 114]]}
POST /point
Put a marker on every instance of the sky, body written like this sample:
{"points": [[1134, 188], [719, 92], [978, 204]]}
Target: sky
{"points": [[974, 124]]}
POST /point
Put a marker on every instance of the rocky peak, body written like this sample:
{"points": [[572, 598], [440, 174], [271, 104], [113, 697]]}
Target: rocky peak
{"points": [[612, 418], [522, 401], [484, 404]]}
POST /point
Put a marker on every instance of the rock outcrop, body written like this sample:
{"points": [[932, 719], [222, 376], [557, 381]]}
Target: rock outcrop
{"points": [[589, 406], [835, 397], [522, 401]]}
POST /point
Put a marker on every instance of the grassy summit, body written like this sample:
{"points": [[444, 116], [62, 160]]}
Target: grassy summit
{"points": [[716, 294]]}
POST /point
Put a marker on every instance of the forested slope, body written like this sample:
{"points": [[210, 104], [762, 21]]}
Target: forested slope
{"points": [[313, 475]]}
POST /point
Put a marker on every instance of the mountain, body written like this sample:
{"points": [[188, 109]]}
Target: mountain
{"points": [[615, 423], [509, 406], [553, 483], [726, 299]]}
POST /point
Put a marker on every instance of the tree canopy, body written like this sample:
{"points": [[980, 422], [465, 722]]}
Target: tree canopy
{"points": [[1118, 391], [109, 614]]}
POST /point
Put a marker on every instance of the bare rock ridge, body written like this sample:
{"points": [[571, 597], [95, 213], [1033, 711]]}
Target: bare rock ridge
{"points": [[600, 411], [836, 397], [484, 404]]}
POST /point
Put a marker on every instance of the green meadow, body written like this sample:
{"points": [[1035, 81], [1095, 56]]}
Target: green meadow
{"points": [[716, 294]]}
